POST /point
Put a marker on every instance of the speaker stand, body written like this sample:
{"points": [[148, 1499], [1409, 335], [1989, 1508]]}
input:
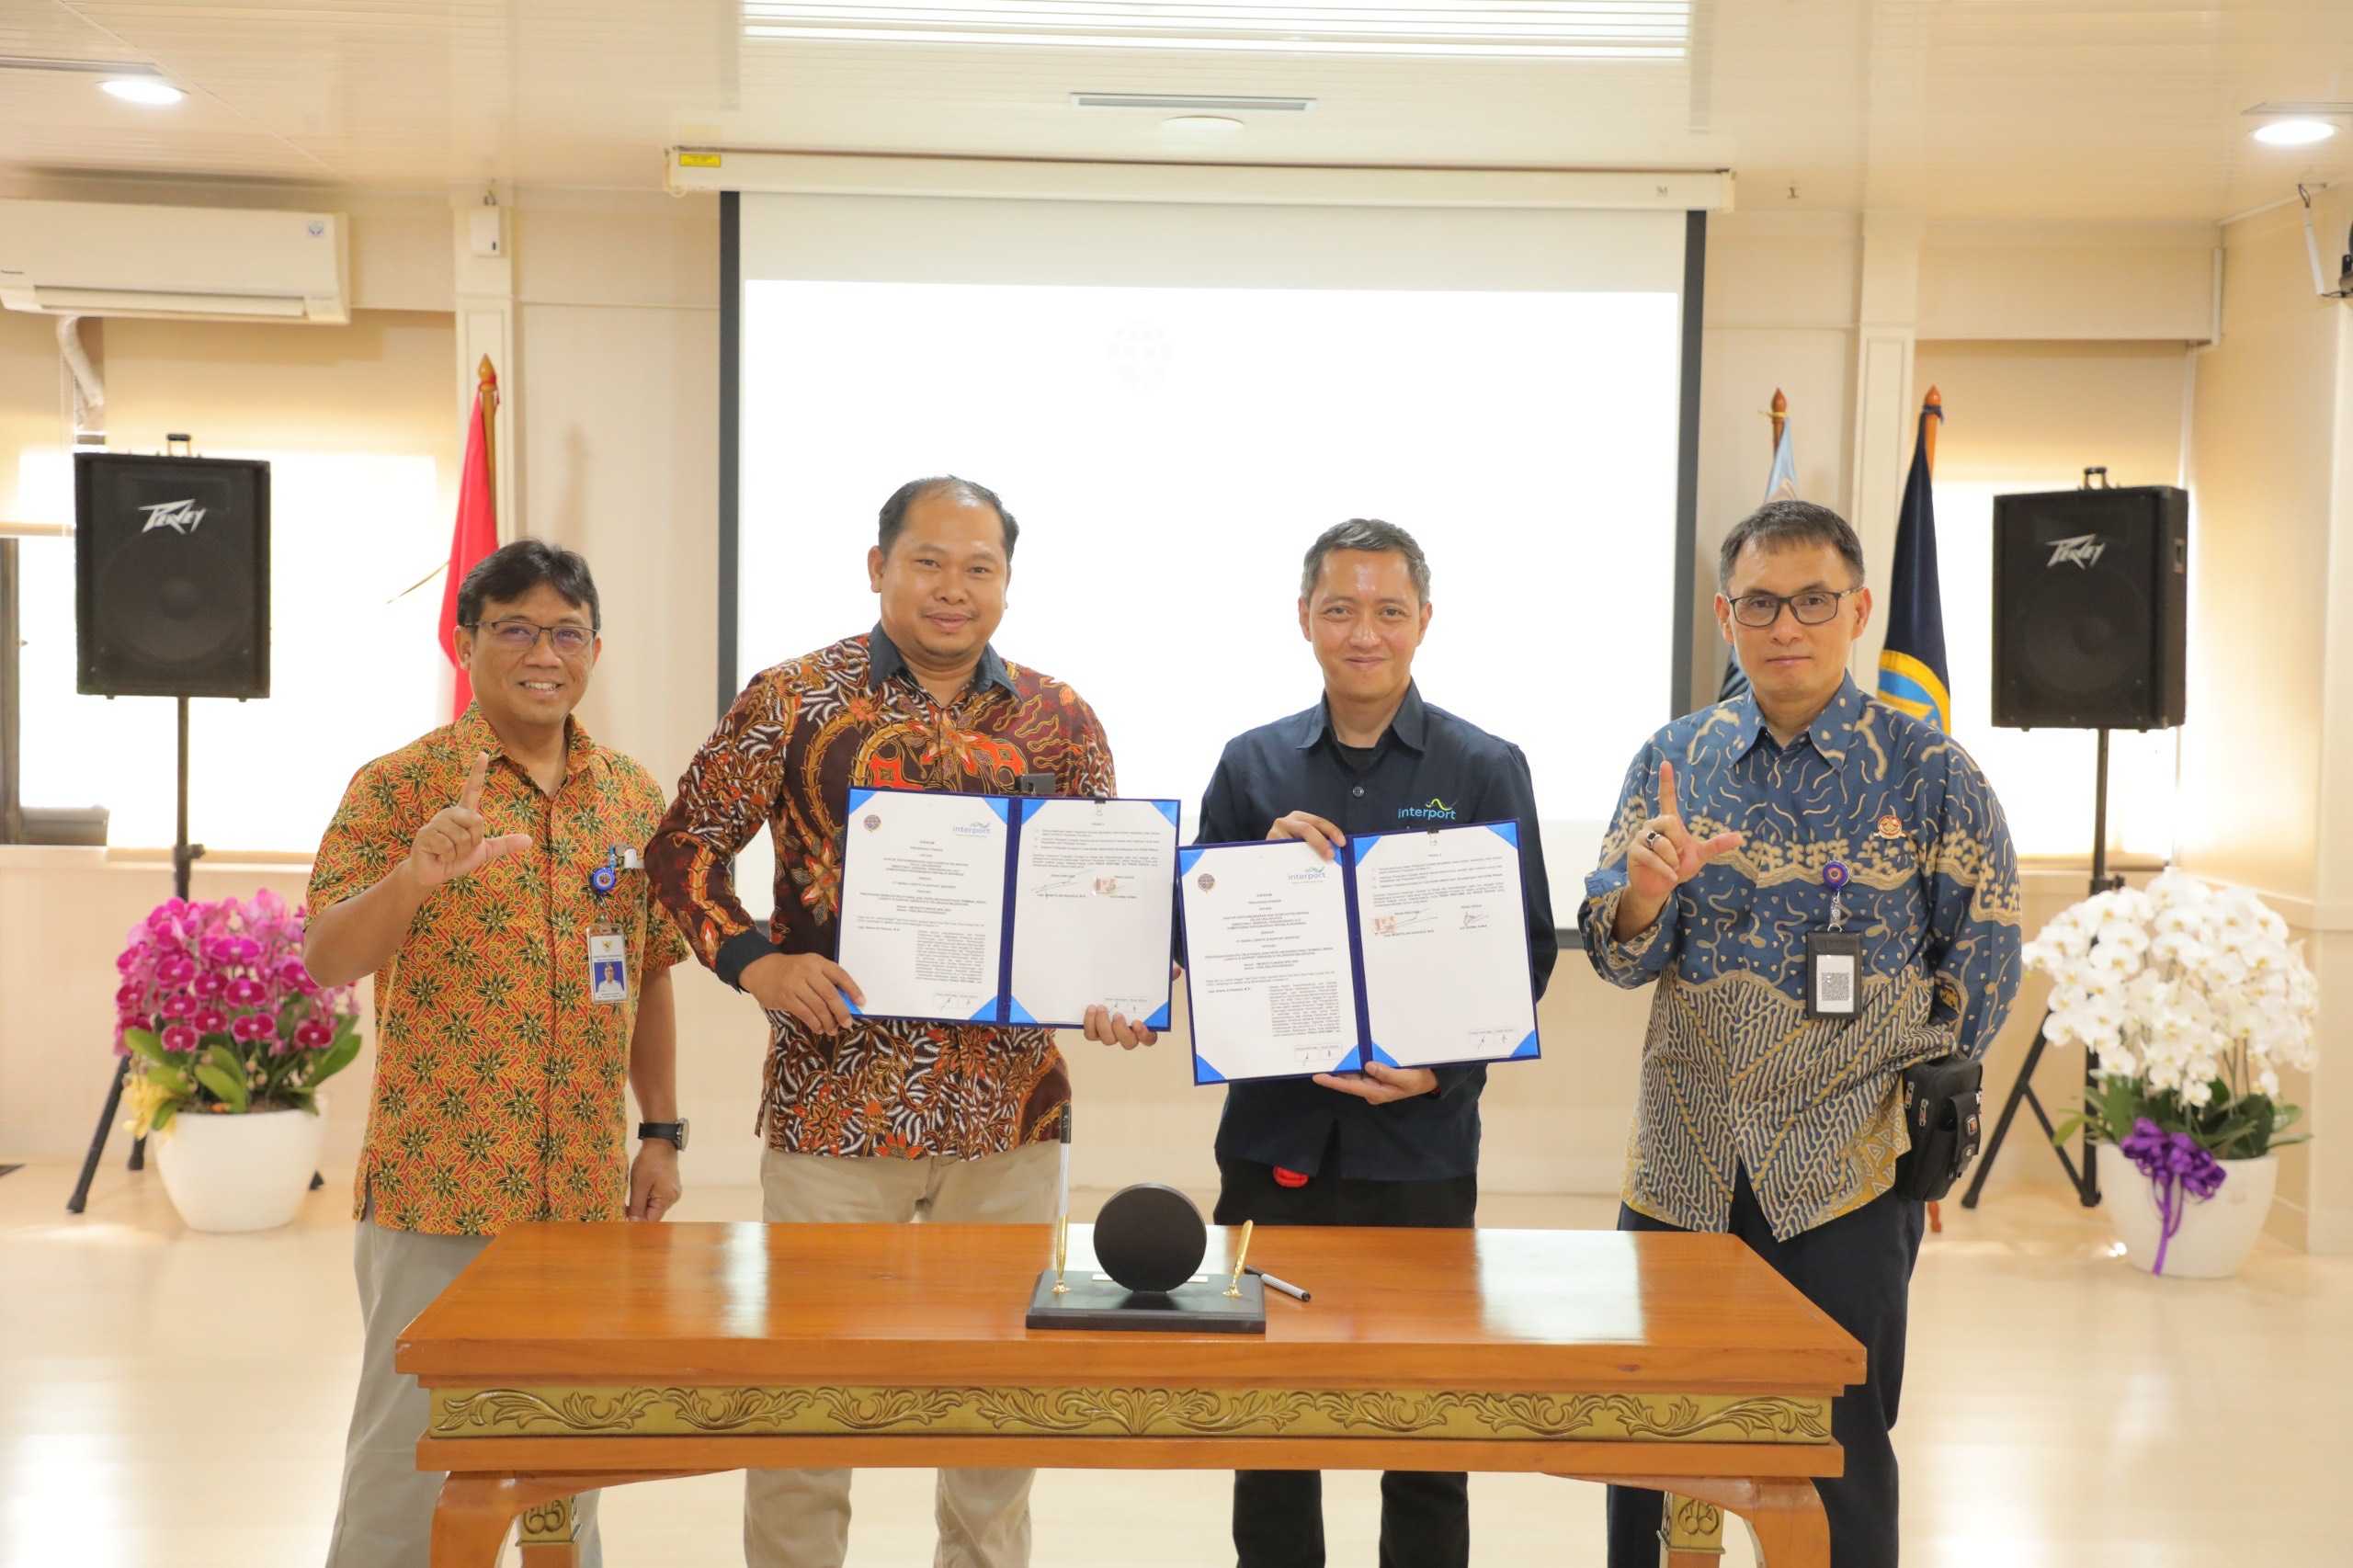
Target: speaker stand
{"points": [[184, 859], [2084, 1181]]}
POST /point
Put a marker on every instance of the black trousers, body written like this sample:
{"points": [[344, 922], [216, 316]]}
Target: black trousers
{"points": [[1858, 1268], [1279, 1514]]}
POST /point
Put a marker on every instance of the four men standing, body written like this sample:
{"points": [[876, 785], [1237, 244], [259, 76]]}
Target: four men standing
{"points": [[464, 871]]}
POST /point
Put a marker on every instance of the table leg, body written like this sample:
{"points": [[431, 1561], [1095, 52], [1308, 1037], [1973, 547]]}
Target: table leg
{"points": [[547, 1535], [1791, 1529], [1691, 1533], [1785, 1516], [471, 1521]]}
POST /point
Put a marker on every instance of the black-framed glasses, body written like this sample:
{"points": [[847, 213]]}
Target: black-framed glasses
{"points": [[516, 636], [1811, 606]]}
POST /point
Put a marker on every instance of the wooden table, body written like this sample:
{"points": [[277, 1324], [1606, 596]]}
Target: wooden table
{"points": [[575, 1356]]}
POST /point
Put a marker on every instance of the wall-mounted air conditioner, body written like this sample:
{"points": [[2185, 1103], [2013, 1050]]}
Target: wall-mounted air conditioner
{"points": [[87, 259]]}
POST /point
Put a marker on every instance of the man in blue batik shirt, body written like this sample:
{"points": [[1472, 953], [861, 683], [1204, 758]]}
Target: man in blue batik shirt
{"points": [[1737, 827]]}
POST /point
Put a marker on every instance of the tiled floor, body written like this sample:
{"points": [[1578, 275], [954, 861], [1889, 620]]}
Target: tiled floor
{"points": [[177, 1400]]}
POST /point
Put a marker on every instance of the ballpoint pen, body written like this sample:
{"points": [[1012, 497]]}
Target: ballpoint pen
{"points": [[1234, 1286], [1062, 1218], [1282, 1285]]}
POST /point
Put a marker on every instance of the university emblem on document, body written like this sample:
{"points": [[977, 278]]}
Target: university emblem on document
{"points": [[1205, 882], [873, 822], [1891, 827]]}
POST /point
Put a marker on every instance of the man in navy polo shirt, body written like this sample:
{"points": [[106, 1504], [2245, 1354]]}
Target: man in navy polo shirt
{"points": [[1395, 1145]]}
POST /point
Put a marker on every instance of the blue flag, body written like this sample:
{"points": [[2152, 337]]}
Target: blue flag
{"points": [[1913, 673], [1782, 485]]}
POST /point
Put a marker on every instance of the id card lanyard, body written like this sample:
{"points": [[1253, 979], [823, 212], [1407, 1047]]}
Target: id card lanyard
{"points": [[608, 983], [1833, 958]]}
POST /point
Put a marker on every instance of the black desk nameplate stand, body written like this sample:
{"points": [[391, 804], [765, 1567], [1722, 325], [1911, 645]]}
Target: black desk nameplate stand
{"points": [[1149, 1244], [1199, 1307]]}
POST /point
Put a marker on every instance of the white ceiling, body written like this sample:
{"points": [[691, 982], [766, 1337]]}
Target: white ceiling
{"points": [[1975, 109]]}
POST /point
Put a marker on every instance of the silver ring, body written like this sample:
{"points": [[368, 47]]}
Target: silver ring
{"points": [[1654, 839]]}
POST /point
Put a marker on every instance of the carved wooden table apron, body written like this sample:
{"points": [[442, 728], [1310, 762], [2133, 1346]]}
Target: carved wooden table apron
{"points": [[569, 1357]]}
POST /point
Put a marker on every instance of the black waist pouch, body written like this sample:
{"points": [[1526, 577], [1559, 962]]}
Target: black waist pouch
{"points": [[1942, 1101]]}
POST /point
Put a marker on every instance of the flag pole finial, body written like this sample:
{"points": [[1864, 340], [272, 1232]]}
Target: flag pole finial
{"points": [[1934, 404], [1779, 417], [487, 407]]}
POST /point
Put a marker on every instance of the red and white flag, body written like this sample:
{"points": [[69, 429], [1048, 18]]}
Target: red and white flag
{"points": [[476, 533]]}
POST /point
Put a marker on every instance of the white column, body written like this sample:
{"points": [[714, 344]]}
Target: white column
{"points": [[482, 236], [1886, 317]]}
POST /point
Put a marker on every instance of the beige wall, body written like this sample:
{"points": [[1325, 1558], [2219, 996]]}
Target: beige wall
{"points": [[379, 385], [2020, 410], [2262, 463], [2268, 756], [2054, 282], [33, 410]]}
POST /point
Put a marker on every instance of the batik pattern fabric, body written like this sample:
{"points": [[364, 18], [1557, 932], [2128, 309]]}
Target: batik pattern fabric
{"points": [[500, 1091], [1733, 1073], [801, 735]]}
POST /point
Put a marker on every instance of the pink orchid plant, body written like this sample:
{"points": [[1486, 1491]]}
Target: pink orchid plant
{"points": [[216, 1003]]}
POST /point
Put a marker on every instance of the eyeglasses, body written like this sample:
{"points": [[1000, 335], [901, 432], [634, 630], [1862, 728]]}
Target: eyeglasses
{"points": [[516, 636], [1812, 606]]}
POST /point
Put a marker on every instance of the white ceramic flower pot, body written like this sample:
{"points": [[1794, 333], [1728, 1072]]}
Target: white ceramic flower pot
{"points": [[240, 1173], [2215, 1235]]}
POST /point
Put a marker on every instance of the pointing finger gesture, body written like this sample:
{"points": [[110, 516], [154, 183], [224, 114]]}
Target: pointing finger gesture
{"points": [[1664, 854], [454, 844]]}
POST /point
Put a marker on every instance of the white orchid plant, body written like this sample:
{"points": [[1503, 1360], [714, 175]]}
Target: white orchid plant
{"points": [[2194, 999]]}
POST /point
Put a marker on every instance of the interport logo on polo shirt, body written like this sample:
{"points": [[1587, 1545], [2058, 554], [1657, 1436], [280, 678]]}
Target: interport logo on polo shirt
{"points": [[1437, 810]]}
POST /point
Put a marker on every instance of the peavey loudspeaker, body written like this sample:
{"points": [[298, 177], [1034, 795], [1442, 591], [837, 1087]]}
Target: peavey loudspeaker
{"points": [[171, 575], [2090, 609]]}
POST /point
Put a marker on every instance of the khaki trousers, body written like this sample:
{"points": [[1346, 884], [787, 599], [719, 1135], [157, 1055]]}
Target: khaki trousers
{"points": [[384, 1518], [799, 1519]]}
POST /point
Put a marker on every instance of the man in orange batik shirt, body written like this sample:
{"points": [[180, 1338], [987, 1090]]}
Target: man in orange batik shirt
{"points": [[489, 875]]}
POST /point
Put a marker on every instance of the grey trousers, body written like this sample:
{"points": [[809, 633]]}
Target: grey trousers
{"points": [[384, 1518], [799, 1519]]}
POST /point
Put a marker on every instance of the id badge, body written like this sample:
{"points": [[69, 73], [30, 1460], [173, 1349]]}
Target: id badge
{"points": [[1833, 973], [607, 967]]}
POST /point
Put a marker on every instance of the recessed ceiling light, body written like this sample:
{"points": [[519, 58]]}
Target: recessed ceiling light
{"points": [[152, 90], [1212, 124], [2295, 132]]}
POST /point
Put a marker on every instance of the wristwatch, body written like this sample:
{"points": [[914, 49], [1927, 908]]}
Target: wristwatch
{"points": [[671, 1133]]}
